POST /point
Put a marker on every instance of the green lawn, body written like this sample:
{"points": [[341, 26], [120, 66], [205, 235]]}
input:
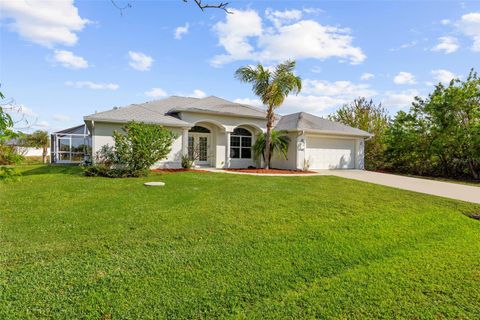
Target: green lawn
{"points": [[212, 245]]}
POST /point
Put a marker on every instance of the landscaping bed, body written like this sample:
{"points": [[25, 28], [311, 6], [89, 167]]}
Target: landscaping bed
{"points": [[270, 171], [176, 170]]}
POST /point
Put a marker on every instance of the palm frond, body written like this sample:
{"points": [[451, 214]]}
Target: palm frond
{"points": [[279, 143]]}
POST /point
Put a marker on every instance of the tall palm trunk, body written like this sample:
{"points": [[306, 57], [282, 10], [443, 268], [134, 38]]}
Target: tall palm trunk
{"points": [[44, 154], [270, 116]]}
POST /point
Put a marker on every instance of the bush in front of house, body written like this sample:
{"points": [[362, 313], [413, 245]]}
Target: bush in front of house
{"points": [[136, 149], [187, 161]]}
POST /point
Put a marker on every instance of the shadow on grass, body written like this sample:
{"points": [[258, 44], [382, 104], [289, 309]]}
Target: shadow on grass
{"points": [[51, 169]]}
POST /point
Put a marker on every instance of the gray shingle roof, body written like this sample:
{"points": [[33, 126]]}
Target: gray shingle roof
{"points": [[216, 105], [164, 112], [148, 112], [303, 121]]}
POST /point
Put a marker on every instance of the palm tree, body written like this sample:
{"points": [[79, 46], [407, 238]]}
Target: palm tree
{"points": [[39, 139], [272, 87], [279, 141]]}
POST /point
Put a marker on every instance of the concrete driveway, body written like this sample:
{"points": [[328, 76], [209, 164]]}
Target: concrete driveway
{"points": [[437, 188]]}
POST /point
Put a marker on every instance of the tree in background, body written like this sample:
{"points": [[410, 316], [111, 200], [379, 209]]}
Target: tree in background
{"points": [[39, 139], [6, 123], [365, 115], [407, 146], [279, 141], [441, 134], [272, 87], [8, 153]]}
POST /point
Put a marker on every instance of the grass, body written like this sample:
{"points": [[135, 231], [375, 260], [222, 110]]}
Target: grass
{"points": [[211, 245], [31, 160]]}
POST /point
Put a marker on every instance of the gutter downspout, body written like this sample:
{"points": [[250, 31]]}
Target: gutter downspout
{"points": [[300, 134], [93, 141]]}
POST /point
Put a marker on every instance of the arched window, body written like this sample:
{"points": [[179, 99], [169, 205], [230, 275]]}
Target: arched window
{"points": [[241, 144], [199, 129]]}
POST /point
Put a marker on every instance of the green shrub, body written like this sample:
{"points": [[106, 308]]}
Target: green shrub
{"points": [[8, 173], [9, 155], [187, 162], [136, 149], [100, 170]]}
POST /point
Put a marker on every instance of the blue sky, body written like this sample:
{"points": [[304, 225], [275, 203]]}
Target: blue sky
{"points": [[62, 60]]}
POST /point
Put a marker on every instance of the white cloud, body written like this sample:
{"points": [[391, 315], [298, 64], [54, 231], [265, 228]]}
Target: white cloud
{"points": [[25, 118], [249, 101], [337, 88], [447, 45], [156, 93], [444, 76], [61, 117], [367, 76], [278, 18], [244, 37], [234, 33], [404, 78], [401, 99], [322, 97], [44, 22], [445, 22], [140, 61], [92, 85], [405, 46], [69, 60], [470, 26], [41, 124], [312, 10], [180, 31], [197, 94]]}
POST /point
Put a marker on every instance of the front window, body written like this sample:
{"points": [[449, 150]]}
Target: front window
{"points": [[241, 144]]}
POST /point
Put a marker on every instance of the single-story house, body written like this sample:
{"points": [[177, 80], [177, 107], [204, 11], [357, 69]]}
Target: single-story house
{"points": [[224, 132]]}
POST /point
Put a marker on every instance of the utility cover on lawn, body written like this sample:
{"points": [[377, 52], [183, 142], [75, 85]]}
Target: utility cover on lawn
{"points": [[154, 184]]}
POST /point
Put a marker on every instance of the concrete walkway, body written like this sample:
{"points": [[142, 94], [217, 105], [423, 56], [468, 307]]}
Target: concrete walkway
{"points": [[437, 188]]}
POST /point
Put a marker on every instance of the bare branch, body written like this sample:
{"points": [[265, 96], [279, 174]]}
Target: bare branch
{"points": [[202, 6], [222, 6], [120, 8]]}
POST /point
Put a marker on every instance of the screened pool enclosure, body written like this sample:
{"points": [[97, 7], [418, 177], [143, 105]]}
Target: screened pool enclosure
{"points": [[72, 145]]}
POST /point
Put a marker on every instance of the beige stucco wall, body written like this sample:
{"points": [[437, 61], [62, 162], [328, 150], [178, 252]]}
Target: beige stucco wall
{"points": [[278, 162], [102, 134], [219, 125], [224, 122]]}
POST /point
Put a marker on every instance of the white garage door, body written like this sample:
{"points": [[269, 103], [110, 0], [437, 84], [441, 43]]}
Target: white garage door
{"points": [[325, 153]]}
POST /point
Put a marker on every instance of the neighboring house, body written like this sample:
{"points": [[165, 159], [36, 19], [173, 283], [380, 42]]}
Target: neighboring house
{"points": [[26, 151], [224, 132], [72, 145]]}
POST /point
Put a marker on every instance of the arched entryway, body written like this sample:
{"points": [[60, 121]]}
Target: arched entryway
{"points": [[199, 141]]}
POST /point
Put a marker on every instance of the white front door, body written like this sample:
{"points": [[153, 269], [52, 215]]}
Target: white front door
{"points": [[198, 148]]}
